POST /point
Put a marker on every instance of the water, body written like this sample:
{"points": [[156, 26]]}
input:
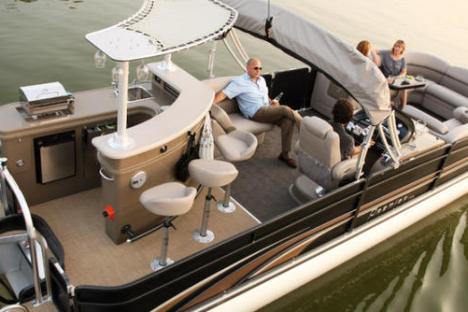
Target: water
{"points": [[422, 269]]}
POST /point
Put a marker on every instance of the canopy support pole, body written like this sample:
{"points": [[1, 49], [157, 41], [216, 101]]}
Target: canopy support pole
{"points": [[211, 60], [121, 140], [362, 155], [391, 122], [387, 147]]}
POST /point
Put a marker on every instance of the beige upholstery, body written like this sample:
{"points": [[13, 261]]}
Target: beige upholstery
{"points": [[222, 118], [319, 157], [321, 101], [431, 122], [168, 199], [461, 114], [212, 173], [237, 145], [231, 109], [451, 130], [447, 86]]}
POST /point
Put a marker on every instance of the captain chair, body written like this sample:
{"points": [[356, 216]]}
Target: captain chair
{"points": [[319, 161]]}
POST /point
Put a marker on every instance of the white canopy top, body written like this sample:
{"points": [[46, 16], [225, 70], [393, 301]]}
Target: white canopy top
{"points": [[164, 26], [356, 73]]}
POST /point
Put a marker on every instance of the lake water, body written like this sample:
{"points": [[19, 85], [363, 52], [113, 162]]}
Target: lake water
{"points": [[422, 269]]}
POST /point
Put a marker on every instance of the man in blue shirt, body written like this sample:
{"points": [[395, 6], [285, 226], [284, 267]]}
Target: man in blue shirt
{"points": [[251, 93]]}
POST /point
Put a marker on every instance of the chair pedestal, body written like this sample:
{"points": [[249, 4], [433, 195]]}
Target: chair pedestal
{"points": [[210, 173], [227, 206], [163, 260], [203, 235], [169, 199], [235, 146]]}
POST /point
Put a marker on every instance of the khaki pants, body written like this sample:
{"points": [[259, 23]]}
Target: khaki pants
{"points": [[284, 117]]}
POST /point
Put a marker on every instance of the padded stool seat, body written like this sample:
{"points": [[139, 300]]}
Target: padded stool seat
{"points": [[210, 173], [235, 146], [169, 200]]}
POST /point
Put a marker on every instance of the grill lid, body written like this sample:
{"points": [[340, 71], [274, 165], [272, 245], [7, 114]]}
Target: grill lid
{"points": [[43, 92]]}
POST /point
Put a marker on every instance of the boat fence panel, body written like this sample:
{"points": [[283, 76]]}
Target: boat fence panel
{"points": [[295, 84], [350, 191], [161, 286], [455, 163], [409, 176]]}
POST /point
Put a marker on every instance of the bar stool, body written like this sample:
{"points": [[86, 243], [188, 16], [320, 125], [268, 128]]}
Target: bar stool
{"points": [[235, 146], [169, 199], [210, 173]]}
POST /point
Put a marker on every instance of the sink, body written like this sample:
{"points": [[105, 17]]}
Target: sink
{"points": [[136, 93]]}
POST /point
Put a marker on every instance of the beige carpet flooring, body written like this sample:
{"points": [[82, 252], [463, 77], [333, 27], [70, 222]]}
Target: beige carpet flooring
{"points": [[92, 258]]}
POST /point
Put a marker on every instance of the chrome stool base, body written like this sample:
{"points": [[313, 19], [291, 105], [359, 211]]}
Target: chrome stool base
{"points": [[156, 263], [208, 238], [230, 208]]}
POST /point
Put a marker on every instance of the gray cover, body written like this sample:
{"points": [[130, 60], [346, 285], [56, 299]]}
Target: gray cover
{"points": [[345, 64]]}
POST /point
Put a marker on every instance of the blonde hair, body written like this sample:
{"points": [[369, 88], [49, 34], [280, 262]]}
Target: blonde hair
{"points": [[364, 47], [400, 43]]}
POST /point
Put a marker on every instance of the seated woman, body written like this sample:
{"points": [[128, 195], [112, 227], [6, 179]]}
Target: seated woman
{"points": [[366, 48], [342, 114], [393, 65]]}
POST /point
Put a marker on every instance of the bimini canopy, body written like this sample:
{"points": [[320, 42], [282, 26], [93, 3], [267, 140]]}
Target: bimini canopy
{"points": [[346, 65], [164, 26]]}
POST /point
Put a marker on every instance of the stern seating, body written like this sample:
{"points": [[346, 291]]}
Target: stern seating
{"points": [[443, 104], [447, 87], [319, 160], [450, 130]]}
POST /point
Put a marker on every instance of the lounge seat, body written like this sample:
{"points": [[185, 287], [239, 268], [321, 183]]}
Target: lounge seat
{"points": [[235, 116], [450, 130], [447, 86]]}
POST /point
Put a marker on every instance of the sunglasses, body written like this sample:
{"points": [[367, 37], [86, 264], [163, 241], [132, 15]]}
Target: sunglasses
{"points": [[258, 68]]}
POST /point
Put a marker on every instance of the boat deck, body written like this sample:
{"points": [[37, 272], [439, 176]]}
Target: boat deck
{"points": [[261, 187], [92, 258]]}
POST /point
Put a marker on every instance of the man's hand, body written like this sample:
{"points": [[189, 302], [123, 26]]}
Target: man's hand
{"points": [[274, 103], [219, 97]]}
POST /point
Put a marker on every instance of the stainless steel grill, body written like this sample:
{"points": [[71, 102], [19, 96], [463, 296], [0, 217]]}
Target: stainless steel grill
{"points": [[45, 100]]}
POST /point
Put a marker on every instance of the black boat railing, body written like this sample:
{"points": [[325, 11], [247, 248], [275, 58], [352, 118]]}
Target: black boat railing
{"points": [[34, 238]]}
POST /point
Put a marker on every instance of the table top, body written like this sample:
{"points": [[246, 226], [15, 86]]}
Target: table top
{"points": [[407, 82]]}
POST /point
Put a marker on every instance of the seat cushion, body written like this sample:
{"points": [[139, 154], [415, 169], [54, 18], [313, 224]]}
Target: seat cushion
{"points": [[255, 127], [222, 118], [317, 138], [456, 79], [461, 114], [427, 65], [212, 173], [237, 145], [168, 199], [433, 123], [442, 101]]}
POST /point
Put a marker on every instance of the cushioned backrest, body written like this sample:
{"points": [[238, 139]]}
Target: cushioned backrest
{"points": [[217, 84], [456, 79], [427, 65], [319, 141], [321, 101]]}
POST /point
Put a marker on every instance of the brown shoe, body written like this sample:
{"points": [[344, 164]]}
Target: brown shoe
{"points": [[288, 160]]}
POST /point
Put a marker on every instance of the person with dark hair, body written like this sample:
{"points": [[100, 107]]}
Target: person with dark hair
{"points": [[342, 114], [251, 93]]}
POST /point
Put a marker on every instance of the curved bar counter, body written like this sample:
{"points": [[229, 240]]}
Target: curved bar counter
{"points": [[157, 145], [57, 156]]}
